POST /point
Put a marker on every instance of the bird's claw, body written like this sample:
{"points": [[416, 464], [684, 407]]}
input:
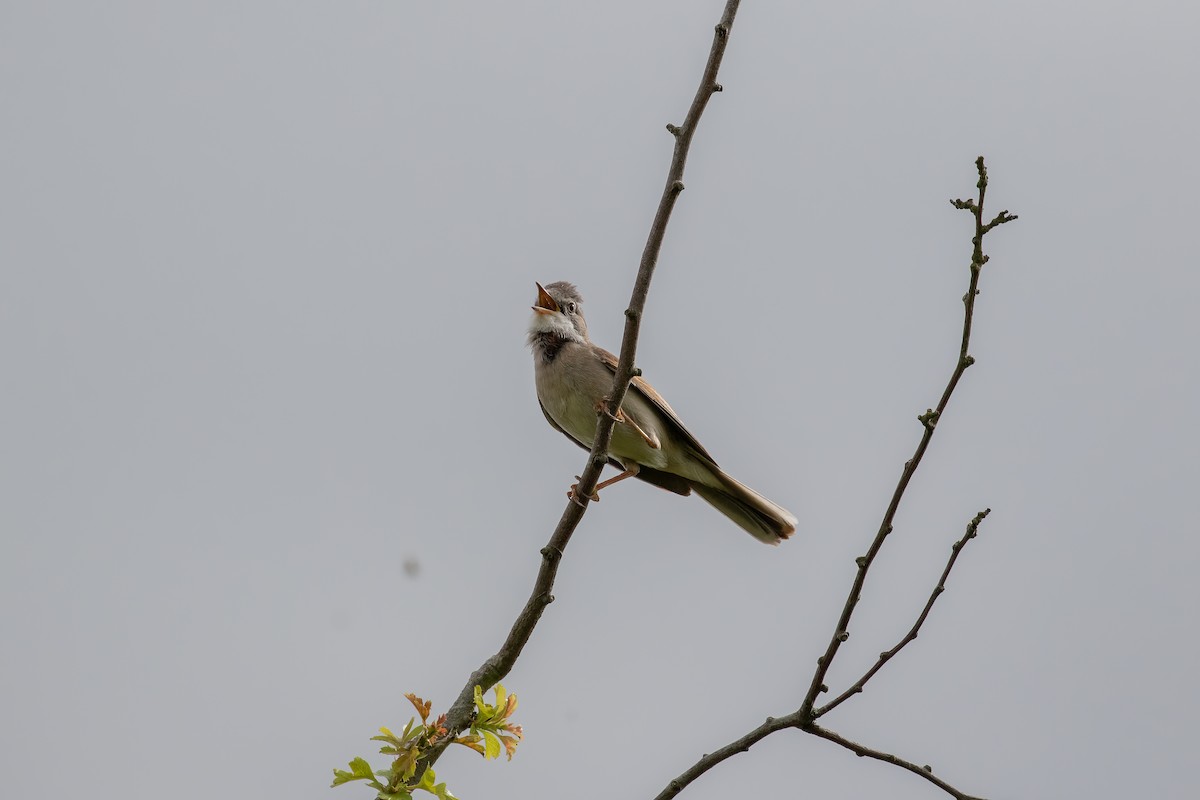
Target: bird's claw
{"points": [[571, 494], [602, 408]]}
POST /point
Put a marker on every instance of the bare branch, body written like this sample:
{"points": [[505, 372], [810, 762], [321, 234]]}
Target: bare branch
{"points": [[710, 760], [674, 186], [886, 656], [929, 420], [925, 772], [805, 717], [497, 666]]}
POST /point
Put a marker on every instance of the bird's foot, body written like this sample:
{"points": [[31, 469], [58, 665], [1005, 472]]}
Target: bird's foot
{"points": [[573, 494], [602, 408]]}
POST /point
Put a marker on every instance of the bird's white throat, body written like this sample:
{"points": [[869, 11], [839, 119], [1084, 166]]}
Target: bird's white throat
{"points": [[555, 324]]}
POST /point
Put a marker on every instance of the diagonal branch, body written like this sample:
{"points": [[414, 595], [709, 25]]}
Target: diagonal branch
{"points": [[886, 656], [497, 666], [710, 760]]}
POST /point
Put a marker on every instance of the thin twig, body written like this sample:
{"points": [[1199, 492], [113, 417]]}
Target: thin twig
{"points": [[925, 772], [886, 656], [497, 666], [929, 420]]}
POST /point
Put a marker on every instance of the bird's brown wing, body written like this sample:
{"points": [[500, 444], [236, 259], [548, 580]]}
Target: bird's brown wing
{"points": [[643, 387], [663, 480]]}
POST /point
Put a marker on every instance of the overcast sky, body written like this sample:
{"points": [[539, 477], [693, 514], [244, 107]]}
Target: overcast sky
{"points": [[265, 276]]}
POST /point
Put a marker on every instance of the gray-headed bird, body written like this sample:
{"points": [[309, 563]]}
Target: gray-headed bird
{"points": [[574, 378]]}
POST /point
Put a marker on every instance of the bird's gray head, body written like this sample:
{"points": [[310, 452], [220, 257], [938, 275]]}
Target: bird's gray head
{"points": [[558, 312]]}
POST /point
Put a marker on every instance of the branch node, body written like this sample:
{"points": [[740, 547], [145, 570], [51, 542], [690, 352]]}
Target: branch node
{"points": [[823, 688], [551, 553], [843, 636], [722, 30], [676, 187], [861, 561], [600, 461], [929, 419], [674, 129], [716, 87], [637, 372], [631, 313]]}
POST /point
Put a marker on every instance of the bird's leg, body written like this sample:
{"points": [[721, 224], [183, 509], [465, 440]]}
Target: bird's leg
{"points": [[629, 473], [650, 439], [595, 496]]}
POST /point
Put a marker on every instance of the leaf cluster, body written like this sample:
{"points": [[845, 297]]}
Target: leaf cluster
{"points": [[491, 732]]}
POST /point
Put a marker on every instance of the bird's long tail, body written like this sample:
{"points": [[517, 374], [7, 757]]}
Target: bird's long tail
{"points": [[754, 513]]}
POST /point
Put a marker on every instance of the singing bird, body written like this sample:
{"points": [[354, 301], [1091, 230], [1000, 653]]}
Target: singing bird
{"points": [[574, 378]]}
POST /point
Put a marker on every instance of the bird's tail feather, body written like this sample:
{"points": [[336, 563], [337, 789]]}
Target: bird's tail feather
{"points": [[754, 513]]}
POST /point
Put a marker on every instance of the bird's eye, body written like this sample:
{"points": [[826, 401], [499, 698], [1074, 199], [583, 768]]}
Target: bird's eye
{"points": [[570, 308]]}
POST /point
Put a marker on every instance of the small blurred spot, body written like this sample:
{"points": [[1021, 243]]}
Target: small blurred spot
{"points": [[412, 567]]}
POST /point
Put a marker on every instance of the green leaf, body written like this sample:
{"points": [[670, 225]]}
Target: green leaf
{"points": [[428, 784], [402, 794], [360, 770], [492, 745], [501, 696]]}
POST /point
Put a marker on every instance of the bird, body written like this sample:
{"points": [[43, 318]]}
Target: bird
{"points": [[574, 378]]}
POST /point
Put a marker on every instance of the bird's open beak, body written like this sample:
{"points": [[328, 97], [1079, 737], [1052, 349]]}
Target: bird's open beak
{"points": [[545, 303]]}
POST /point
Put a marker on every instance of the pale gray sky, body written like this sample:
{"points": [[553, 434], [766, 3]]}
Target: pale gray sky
{"points": [[265, 274]]}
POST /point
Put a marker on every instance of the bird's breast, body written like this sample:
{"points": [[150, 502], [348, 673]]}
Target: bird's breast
{"points": [[571, 388]]}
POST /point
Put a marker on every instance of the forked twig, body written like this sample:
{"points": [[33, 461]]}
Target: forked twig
{"points": [[887, 655], [929, 420], [806, 716]]}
